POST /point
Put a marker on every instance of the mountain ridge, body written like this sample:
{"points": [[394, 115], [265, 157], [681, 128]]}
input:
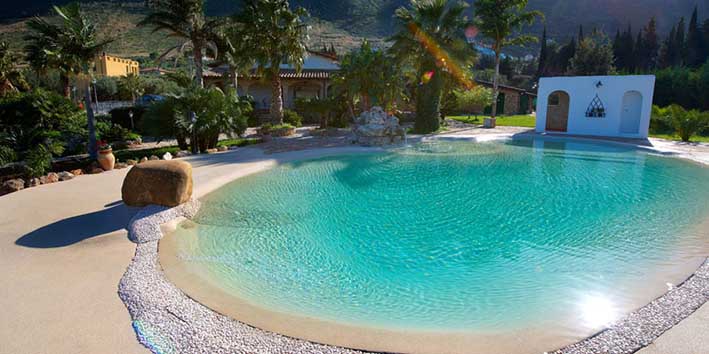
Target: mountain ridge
{"points": [[367, 17], [345, 23]]}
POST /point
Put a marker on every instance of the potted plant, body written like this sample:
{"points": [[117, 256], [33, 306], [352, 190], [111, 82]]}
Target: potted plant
{"points": [[265, 132], [105, 156]]}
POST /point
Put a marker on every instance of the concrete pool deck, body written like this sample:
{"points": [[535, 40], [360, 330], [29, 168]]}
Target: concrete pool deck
{"points": [[64, 249]]}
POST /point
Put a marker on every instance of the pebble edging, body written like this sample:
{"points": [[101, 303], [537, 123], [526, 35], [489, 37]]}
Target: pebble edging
{"points": [[167, 321]]}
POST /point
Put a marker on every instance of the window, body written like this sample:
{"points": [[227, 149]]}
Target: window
{"points": [[554, 99]]}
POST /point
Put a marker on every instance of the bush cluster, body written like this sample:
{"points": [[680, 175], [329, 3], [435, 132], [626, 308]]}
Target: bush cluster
{"points": [[197, 114], [675, 119], [38, 125]]}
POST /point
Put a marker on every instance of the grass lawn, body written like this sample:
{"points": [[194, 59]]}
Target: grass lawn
{"points": [[528, 121], [694, 139]]}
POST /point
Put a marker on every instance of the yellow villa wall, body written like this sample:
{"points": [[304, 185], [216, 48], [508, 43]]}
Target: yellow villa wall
{"points": [[107, 65]]}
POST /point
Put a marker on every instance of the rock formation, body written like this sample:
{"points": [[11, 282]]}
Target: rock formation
{"points": [[166, 183], [376, 128]]}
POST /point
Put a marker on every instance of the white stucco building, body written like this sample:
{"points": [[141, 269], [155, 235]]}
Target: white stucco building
{"points": [[611, 106]]}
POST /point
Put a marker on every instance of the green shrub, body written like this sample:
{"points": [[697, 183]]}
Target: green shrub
{"points": [[156, 85], [324, 111], [7, 155], [106, 88], [38, 161], [292, 118], [41, 117], [112, 133], [266, 128], [252, 119], [238, 142], [104, 118], [685, 123], [282, 126], [473, 101], [216, 113]]}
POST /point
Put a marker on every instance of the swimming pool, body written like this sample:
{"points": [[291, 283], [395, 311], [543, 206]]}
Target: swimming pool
{"points": [[518, 239]]}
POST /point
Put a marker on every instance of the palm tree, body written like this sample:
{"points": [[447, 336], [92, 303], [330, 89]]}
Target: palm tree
{"points": [[431, 40], [367, 75], [72, 46], [8, 70], [132, 84], [44, 54], [234, 54], [185, 19], [498, 20], [274, 35]]}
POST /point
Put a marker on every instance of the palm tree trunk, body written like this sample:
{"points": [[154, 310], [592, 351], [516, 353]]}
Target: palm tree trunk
{"points": [[91, 122], [66, 87], [194, 140], [366, 103], [199, 79], [428, 103], [234, 80], [496, 85], [276, 99], [181, 140]]}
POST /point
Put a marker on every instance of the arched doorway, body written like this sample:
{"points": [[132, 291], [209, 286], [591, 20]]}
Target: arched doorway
{"points": [[631, 112], [558, 111]]}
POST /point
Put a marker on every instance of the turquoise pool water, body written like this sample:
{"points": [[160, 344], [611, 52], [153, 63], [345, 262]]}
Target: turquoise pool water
{"points": [[456, 236]]}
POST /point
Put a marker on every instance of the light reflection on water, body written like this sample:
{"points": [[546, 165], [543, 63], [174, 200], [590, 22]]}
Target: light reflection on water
{"points": [[449, 235]]}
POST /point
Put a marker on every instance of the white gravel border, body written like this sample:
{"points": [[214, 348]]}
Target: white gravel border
{"points": [[168, 321]]}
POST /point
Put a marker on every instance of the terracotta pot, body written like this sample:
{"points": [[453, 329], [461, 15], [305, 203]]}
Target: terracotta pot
{"points": [[106, 159]]}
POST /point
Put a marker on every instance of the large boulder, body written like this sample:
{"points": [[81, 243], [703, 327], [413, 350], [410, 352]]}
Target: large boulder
{"points": [[11, 186], [376, 127], [166, 183]]}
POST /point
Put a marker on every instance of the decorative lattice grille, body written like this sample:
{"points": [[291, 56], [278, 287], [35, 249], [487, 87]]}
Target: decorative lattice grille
{"points": [[596, 109]]}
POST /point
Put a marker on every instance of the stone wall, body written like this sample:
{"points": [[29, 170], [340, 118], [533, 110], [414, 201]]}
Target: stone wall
{"points": [[511, 102]]}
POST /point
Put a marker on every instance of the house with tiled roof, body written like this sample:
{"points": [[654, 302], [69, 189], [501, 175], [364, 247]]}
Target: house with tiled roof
{"points": [[314, 80]]}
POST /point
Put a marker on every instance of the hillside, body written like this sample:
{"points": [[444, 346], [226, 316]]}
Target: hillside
{"points": [[118, 21], [344, 23], [368, 17]]}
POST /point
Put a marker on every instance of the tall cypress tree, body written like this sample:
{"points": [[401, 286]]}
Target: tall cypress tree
{"points": [[638, 53], [543, 55], [681, 44], [705, 30], [625, 58], [580, 33], [565, 54], [617, 49], [695, 42], [649, 47], [668, 52]]}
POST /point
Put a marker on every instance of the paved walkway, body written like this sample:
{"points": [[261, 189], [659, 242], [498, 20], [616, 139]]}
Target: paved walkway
{"points": [[690, 336], [63, 250]]}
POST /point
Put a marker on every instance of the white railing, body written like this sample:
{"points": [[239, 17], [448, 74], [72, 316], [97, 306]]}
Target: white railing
{"points": [[107, 106]]}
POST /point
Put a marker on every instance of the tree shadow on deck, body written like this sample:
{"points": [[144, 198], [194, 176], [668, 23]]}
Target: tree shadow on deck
{"points": [[78, 228]]}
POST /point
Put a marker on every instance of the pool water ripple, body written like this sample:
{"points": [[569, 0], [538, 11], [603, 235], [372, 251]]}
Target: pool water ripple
{"points": [[455, 236]]}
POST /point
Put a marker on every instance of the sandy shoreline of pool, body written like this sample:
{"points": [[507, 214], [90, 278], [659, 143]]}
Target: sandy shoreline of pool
{"points": [[64, 249], [374, 339]]}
